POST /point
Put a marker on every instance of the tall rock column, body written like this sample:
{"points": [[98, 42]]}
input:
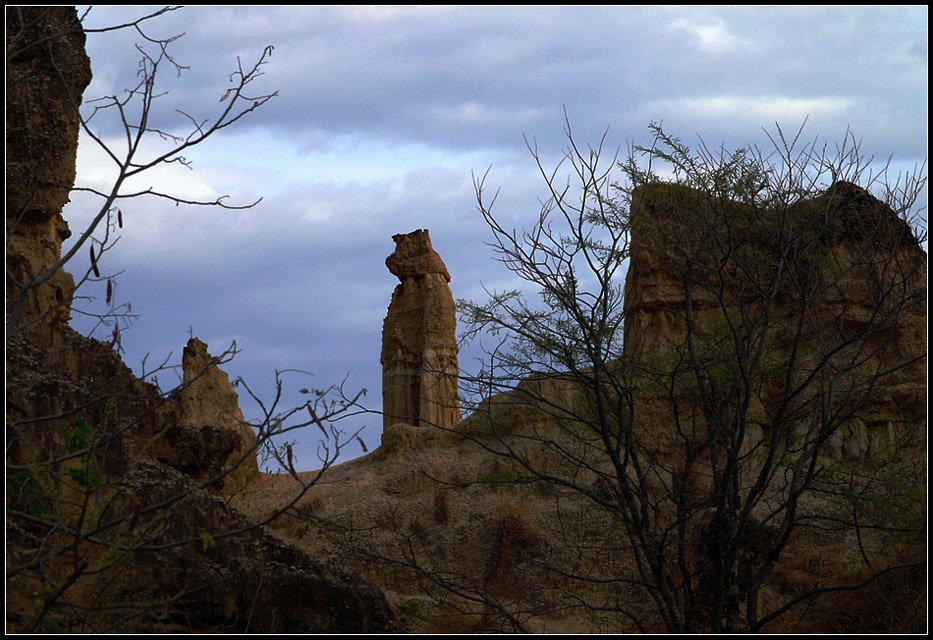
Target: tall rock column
{"points": [[419, 338], [47, 72]]}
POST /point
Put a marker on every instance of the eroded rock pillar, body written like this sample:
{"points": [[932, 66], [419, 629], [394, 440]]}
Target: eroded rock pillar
{"points": [[419, 338]]}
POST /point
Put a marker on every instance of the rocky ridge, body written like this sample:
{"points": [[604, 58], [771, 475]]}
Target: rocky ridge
{"points": [[436, 503]]}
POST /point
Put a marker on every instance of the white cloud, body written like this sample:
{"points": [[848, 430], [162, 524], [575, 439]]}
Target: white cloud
{"points": [[712, 35], [473, 113], [378, 15], [756, 109], [96, 168]]}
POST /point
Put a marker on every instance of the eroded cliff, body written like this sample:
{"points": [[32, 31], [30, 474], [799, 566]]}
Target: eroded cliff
{"points": [[852, 302], [117, 518]]}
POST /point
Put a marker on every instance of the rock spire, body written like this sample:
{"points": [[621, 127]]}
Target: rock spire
{"points": [[419, 338]]}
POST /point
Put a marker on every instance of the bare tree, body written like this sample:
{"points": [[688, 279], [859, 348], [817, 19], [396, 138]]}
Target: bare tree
{"points": [[726, 425], [133, 159], [82, 513]]}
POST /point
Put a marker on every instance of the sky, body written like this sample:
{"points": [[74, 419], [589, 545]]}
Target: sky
{"points": [[382, 118]]}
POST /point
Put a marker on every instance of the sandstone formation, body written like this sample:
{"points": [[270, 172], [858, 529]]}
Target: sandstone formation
{"points": [[438, 505], [206, 434], [117, 518], [208, 398], [419, 338], [41, 148], [138, 471], [150, 451], [863, 268]]}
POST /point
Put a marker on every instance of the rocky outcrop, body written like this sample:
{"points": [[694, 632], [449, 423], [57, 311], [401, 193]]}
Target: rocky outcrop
{"points": [[118, 494], [419, 338], [859, 267], [230, 575], [192, 564], [208, 398], [48, 71], [206, 434]]}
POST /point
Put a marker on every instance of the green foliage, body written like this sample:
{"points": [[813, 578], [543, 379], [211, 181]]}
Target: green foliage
{"points": [[77, 436], [413, 606], [740, 175], [51, 625], [207, 541], [24, 493], [84, 478], [890, 493]]}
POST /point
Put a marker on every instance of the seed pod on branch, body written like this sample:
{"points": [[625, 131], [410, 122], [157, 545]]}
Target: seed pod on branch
{"points": [[288, 452], [318, 422], [94, 263]]}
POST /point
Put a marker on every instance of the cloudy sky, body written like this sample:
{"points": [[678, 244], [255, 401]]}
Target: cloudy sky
{"points": [[384, 113]]}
